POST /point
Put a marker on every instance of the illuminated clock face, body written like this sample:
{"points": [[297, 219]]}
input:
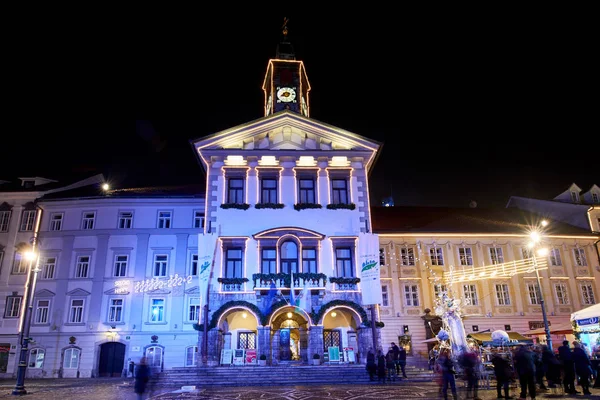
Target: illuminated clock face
{"points": [[286, 94]]}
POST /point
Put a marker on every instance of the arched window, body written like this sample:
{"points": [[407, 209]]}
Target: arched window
{"points": [[289, 257], [36, 358], [154, 356], [190, 356], [71, 360]]}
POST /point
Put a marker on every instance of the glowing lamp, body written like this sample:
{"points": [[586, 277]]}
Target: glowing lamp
{"points": [[334, 314], [30, 255], [244, 314], [535, 236], [542, 252], [544, 223], [105, 186], [289, 315]]}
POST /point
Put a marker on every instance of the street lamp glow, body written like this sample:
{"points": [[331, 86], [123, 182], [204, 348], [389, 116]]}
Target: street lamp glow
{"points": [[105, 186], [535, 236], [30, 255], [543, 252], [544, 223]]}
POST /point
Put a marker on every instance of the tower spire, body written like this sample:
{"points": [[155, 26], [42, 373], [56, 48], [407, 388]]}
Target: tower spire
{"points": [[285, 50]]}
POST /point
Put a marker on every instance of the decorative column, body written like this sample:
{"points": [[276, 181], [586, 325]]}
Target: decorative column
{"points": [[264, 341], [365, 342], [315, 341], [304, 355]]}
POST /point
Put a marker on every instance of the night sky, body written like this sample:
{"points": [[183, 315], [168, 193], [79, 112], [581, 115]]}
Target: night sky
{"points": [[466, 110]]}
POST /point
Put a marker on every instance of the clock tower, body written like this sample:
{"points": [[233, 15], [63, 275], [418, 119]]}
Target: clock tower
{"points": [[286, 86]]}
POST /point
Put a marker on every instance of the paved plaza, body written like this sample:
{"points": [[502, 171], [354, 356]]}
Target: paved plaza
{"points": [[120, 389]]}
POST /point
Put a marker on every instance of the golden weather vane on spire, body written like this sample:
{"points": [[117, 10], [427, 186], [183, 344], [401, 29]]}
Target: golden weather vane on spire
{"points": [[284, 27]]}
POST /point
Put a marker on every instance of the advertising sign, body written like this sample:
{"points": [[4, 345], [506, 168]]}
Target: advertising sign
{"points": [[587, 321], [226, 356], [250, 356], [368, 248], [238, 357]]}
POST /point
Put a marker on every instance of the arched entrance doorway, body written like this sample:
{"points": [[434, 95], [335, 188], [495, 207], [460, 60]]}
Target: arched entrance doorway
{"points": [[112, 359], [291, 329]]}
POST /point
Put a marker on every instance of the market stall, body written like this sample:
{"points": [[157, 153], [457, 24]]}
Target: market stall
{"points": [[586, 327]]}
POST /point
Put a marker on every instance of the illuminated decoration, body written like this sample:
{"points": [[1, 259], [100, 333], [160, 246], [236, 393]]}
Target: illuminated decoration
{"points": [[334, 314], [121, 286], [339, 161], [235, 160], [306, 161], [156, 284], [105, 187], [289, 315], [244, 314], [268, 160], [496, 271]]}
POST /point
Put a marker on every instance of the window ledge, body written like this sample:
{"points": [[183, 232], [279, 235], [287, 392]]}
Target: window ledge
{"points": [[113, 323], [74, 324], [156, 323]]}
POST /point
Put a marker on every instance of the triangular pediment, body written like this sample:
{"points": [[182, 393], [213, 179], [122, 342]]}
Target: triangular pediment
{"points": [[193, 291], [158, 291], [78, 292], [286, 130], [44, 293]]}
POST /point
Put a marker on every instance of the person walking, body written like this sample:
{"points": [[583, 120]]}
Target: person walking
{"points": [[396, 351], [142, 375], [565, 355], [469, 362], [525, 366], [583, 367], [446, 367], [380, 366], [390, 365], [503, 372], [402, 361]]}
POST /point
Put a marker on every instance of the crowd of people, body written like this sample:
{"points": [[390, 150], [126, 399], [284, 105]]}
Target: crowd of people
{"points": [[388, 366]]}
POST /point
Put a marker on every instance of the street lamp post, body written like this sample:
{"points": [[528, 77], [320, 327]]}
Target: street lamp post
{"points": [[535, 239]]}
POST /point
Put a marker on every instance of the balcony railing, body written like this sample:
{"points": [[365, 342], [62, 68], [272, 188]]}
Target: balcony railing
{"points": [[283, 281]]}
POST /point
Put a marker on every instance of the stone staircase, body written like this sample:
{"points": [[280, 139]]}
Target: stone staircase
{"points": [[281, 375]]}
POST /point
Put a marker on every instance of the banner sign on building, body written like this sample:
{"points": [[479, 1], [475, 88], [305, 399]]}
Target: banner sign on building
{"points": [[206, 253], [368, 258], [587, 321]]}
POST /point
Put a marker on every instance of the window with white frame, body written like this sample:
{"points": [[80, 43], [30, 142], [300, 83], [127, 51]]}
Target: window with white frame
{"points": [[306, 190], [71, 360], [407, 254], [27, 220], [82, 268], [587, 294], [382, 257], [339, 191], [384, 296], [574, 197], [48, 268], [268, 260], [268, 189], [579, 255], [198, 219], [88, 220], [4, 220], [115, 310], [190, 356], [194, 265], [470, 291], [193, 309], [439, 289], [343, 262], [562, 296], [160, 265], [56, 220], [121, 261], [502, 294], [411, 295], [436, 255], [157, 310], [154, 356], [125, 220], [19, 264], [309, 260], [465, 254], [496, 255], [36, 358], [235, 190], [234, 257], [42, 309], [164, 219], [526, 252], [555, 259], [533, 291], [76, 311], [288, 257], [13, 306]]}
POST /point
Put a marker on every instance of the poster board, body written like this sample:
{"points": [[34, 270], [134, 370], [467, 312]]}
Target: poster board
{"points": [[238, 357], [251, 356], [350, 356], [334, 354], [226, 356]]}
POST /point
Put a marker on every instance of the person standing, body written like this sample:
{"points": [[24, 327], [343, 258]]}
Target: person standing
{"points": [[396, 351], [390, 365], [142, 375], [565, 356], [583, 367], [371, 365], [469, 361], [381, 366], [402, 361], [525, 366], [446, 366], [503, 372]]}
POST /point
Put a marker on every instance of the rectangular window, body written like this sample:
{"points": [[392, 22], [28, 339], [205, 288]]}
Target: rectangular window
{"points": [[42, 309], [36, 358], [76, 311], [82, 269], [436, 255], [496, 255], [306, 191], [164, 219], [268, 260], [580, 259], [408, 256], [157, 310], [199, 219], [339, 191], [190, 356], [71, 360], [343, 262], [562, 297], [160, 265], [384, 296], [465, 254], [115, 310], [193, 309], [381, 257], [56, 221], [27, 220], [309, 260], [502, 295], [555, 259], [268, 190], [595, 198], [194, 265], [233, 263], [4, 220], [88, 220], [535, 296], [120, 265], [48, 268], [587, 294], [125, 220], [19, 264], [411, 295], [438, 289], [471, 295], [575, 197], [235, 190], [526, 252], [13, 306]]}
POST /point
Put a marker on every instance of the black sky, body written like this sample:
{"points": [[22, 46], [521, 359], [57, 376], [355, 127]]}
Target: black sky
{"points": [[467, 108]]}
